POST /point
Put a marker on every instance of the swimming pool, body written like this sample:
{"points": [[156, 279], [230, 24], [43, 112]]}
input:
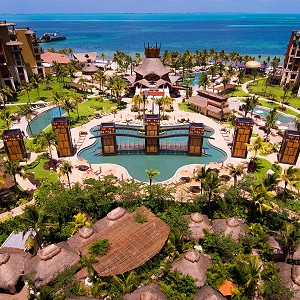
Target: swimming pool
{"points": [[167, 163], [283, 118], [43, 120]]}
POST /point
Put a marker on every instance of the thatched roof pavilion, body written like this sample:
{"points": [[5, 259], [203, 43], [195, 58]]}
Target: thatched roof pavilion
{"points": [[197, 224], [194, 264], [50, 261], [290, 275], [84, 233], [230, 226], [208, 293], [148, 292], [132, 243], [12, 265]]}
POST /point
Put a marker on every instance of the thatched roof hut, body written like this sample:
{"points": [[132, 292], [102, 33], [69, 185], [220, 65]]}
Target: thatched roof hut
{"points": [[230, 226], [50, 261], [148, 292], [208, 293], [290, 275], [12, 264], [194, 264], [197, 223], [116, 215], [84, 234], [132, 243]]}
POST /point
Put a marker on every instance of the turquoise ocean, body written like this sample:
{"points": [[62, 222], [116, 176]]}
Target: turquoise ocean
{"points": [[252, 34]]}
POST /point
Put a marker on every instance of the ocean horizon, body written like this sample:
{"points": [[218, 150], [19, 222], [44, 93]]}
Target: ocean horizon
{"points": [[247, 33]]}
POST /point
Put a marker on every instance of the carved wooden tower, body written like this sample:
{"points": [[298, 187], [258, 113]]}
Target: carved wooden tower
{"points": [[242, 135], [108, 141], [195, 142], [61, 127], [14, 144], [151, 123], [290, 147]]}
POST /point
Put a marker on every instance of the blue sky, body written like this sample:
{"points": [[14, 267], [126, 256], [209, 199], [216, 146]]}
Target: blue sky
{"points": [[148, 6]]}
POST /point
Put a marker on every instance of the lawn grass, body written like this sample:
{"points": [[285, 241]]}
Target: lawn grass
{"points": [[185, 107], [46, 95], [263, 165], [41, 174], [238, 92], [272, 105], [273, 92]]}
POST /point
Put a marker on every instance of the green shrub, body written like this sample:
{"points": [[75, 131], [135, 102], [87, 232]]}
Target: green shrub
{"points": [[139, 218], [99, 247]]}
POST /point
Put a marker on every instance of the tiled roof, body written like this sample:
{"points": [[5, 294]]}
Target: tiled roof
{"points": [[49, 57]]}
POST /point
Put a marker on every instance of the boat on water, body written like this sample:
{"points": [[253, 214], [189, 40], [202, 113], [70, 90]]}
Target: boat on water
{"points": [[51, 37]]}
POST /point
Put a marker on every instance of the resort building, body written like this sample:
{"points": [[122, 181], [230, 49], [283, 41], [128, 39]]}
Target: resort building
{"points": [[152, 77], [49, 58], [19, 55], [292, 61], [210, 104]]}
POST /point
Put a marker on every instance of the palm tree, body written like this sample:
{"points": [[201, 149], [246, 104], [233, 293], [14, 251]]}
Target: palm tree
{"points": [[290, 177], [48, 79], [68, 106], [36, 81], [119, 86], [236, 171], [6, 115], [137, 100], [48, 139], [102, 55], [225, 81], [151, 173], [26, 86], [271, 119], [203, 80], [101, 78], [56, 100], [28, 112], [200, 175], [212, 187], [159, 102], [66, 169], [166, 102], [35, 218], [5, 93], [258, 146], [13, 168], [126, 284], [76, 100], [290, 239]]}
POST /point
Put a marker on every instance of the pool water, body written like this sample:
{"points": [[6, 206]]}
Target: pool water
{"points": [[43, 120], [285, 119], [167, 163]]}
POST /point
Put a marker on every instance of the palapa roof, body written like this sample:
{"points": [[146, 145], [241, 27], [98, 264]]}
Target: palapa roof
{"points": [[194, 264], [152, 66], [131, 243], [83, 57], [50, 261], [148, 292], [212, 96], [12, 265], [174, 78], [198, 101], [208, 293], [197, 223], [84, 233], [89, 68], [253, 64], [230, 226], [49, 57]]}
